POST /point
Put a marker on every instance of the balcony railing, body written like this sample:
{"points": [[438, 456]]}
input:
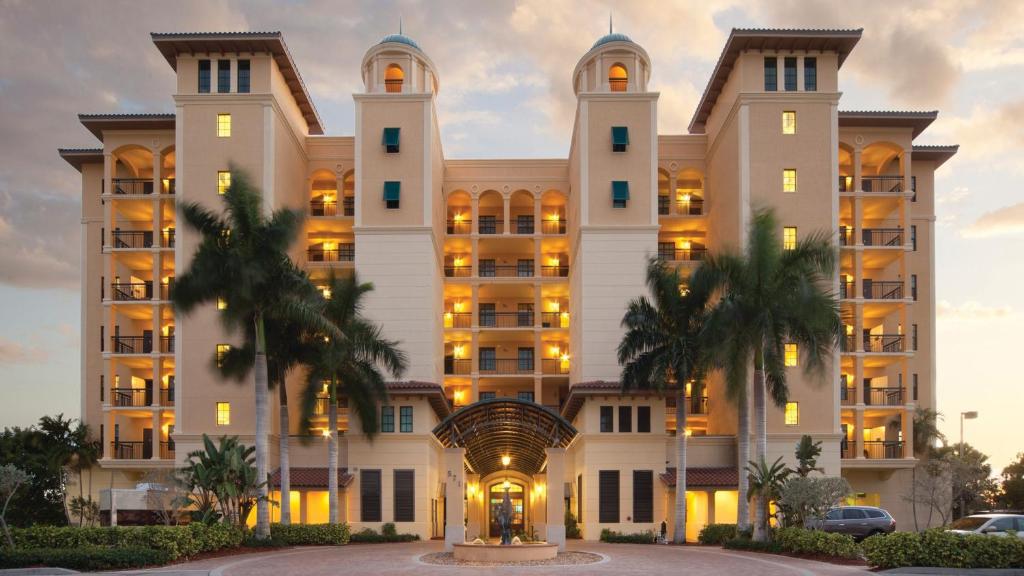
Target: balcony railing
{"points": [[132, 450], [846, 290], [506, 319], [140, 344], [132, 238], [523, 226], [883, 396], [131, 291], [343, 253], [664, 204], [554, 320], [845, 236], [131, 397], [553, 366], [458, 366], [691, 207], [883, 449], [847, 395], [553, 226], [698, 405], [459, 227], [489, 270], [847, 450], [848, 343], [506, 365], [458, 271], [555, 271], [323, 403], [672, 254], [133, 186], [882, 237], [167, 450], [167, 396], [885, 343], [488, 226], [330, 207], [458, 320], [881, 183], [882, 290], [167, 238], [845, 183]]}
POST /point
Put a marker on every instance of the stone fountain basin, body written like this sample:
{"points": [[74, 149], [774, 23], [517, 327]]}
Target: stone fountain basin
{"points": [[497, 553]]}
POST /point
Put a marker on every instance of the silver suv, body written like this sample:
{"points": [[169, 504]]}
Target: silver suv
{"points": [[993, 524], [859, 521]]}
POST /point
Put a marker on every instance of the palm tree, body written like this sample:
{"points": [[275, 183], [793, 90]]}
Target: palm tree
{"points": [[926, 432], [771, 297], [766, 482], [355, 363], [242, 260], [663, 349]]}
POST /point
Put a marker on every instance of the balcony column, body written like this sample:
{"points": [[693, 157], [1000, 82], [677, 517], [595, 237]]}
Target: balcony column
{"points": [[474, 216], [907, 425], [538, 265], [538, 356], [538, 390], [110, 422], [474, 303], [157, 190], [474, 257], [108, 380], [474, 353], [538, 306], [858, 273], [858, 220], [858, 327], [108, 207], [856, 168], [556, 497], [858, 433], [905, 387], [474, 389], [538, 216], [157, 367], [454, 497], [673, 200], [506, 201], [156, 435], [858, 380]]}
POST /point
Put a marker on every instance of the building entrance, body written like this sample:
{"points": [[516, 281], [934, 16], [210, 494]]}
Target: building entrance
{"points": [[495, 499]]}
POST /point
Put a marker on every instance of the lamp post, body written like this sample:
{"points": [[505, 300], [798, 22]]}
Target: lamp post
{"points": [[970, 415]]}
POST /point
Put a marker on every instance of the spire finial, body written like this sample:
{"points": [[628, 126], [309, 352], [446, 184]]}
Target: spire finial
{"points": [[399, 24], [609, 21]]}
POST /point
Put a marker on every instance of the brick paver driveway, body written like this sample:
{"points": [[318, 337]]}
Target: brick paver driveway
{"points": [[620, 559]]}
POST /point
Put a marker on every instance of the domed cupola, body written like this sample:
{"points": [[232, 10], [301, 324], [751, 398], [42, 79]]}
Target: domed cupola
{"points": [[613, 64], [398, 65]]}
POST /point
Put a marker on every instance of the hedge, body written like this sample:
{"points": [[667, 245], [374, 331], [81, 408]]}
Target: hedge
{"points": [[646, 537], [388, 533], [310, 534], [816, 542], [175, 541], [754, 546], [84, 558], [716, 534], [941, 549]]}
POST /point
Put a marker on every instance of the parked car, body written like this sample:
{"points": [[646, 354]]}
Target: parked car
{"points": [[859, 521], [992, 524]]}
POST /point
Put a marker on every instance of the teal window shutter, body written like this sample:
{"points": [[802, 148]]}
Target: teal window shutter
{"points": [[620, 138], [392, 191], [620, 191], [390, 139]]}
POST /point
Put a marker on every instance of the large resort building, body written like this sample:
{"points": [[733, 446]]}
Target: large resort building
{"points": [[505, 281]]}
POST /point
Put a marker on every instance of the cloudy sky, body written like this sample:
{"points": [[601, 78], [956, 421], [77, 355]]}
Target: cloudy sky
{"points": [[505, 92]]}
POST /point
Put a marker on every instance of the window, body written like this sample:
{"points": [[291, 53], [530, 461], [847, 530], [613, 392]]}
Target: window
{"points": [[222, 304], [405, 419], [620, 193], [643, 496], [643, 418], [102, 338], [103, 388], [243, 77], [620, 138], [914, 386], [524, 268], [618, 78], [525, 396], [204, 76], [392, 194], [834, 514], [608, 496], [789, 122], [1002, 524], [791, 354], [913, 188], [771, 74], [913, 286], [393, 78], [525, 360], [625, 418], [792, 413], [853, 514], [789, 73], [222, 350], [789, 180], [789, 238], [810, 74], [390, 140], [223, 76], [913, 336], [913, 236], [369, 495], [223, 125], [405, 495], [488, 395], [488, 360], [387, 418], [223, 181], [488, 314], [223, 413], [874, 514], [607, 416]]}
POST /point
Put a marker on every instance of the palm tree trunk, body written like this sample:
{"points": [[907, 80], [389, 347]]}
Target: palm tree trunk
{"points": [[332, 455], [262, 417], [761, 449], [679, 534], [284, 459], [743, 457]]}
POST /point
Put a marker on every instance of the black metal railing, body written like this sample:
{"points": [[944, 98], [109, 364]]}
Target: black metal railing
{"points": [[167, 450], [883, 449], [132, 450], [167, 396], [129, 291], [882, 290], [460, 227], [348, 206], [131, 397], [848, 343], [553, 226], [846, 184], [846, 290], [561, 271], [323, 207], [553, 320], [673, 254], [845, 236], [506, 319], [885, 343], [506, 365], [457, 366], [883, 396], [698, 405], [140, 344], [553, 366], [459, 320], [847, 395], [167, 238], [882, 236], [488, 226], [132, 238], [881, 183], [664, 203], [506, 270], [523, 225], [458, 271], [170, 186], [847, 449], [132, 186], [691, 207], [343, 253], [165, 290]]}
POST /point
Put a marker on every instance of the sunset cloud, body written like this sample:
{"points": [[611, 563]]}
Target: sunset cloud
{"points": [[1002, 222], [971, 310]]}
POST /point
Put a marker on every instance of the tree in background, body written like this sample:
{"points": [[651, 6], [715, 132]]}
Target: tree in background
{"points": [[11, 478], [224, 475], [766, 481], [807, 452], [970, 476], [1012, 493]]}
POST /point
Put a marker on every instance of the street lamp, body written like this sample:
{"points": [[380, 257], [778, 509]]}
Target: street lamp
{"points": [[970, 415]]}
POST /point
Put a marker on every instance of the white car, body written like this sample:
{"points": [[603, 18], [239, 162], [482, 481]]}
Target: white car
{"points": [[991, 524]]}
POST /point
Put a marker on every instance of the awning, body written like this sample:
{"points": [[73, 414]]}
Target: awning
{"points": [[392, 191], [710, 477], [620, 190], [309, 477], [390, 139], [620, 138]]}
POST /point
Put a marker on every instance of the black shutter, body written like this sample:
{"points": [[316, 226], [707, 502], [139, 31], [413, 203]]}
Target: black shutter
{"points": [[625, 418], [369, 495], [643, 418], [608, 493], [643, 496], [607, 415], [405, 496]]}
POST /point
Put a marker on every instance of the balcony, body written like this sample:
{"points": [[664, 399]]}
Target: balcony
{"points": [[491, 365], [134, 186], [873, 237], [553, 227], [457, 366], [523, 225], [167, 238], [874, 184], [129, 239], [883, 396], [460, 227], [490, 319], [873, 449], [167, 450], [554, 320], [140, 449], [488, 269], [132, 291], [140, 344], [667, 252], [554, 366], [847, 394], [885, 343], [691, 207], [131, 397], [664, 204], [458, 320], [490, 225], [848, 343], [167, 396], [561, 271], [697, 406], [458, 271], [343, 253], [873, 290], [330, 207]]}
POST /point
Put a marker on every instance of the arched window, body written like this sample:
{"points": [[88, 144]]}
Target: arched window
{"points": [[393, 78], [618, 77]]}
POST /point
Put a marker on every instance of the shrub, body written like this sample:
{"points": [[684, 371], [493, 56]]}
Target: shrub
{"points": [[176, 541], [370, 536], [893, 550], [816, 542], [941, 549], [645, 537], [311, 534], [753, 546], [84, 558], [572, 526], [716, 533]]}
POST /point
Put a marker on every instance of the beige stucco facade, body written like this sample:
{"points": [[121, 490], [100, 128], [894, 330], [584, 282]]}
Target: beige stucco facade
{"points": [[509, 278]]}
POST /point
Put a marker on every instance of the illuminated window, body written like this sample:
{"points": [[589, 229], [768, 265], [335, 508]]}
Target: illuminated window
{"points": [[618, 78], [224, 125], [789, 238], [223, 181], [223, 413], [791, 354], [792, 413], [393, 78], [222, 350], [789, 180], [222, 304], [789, 122]]}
